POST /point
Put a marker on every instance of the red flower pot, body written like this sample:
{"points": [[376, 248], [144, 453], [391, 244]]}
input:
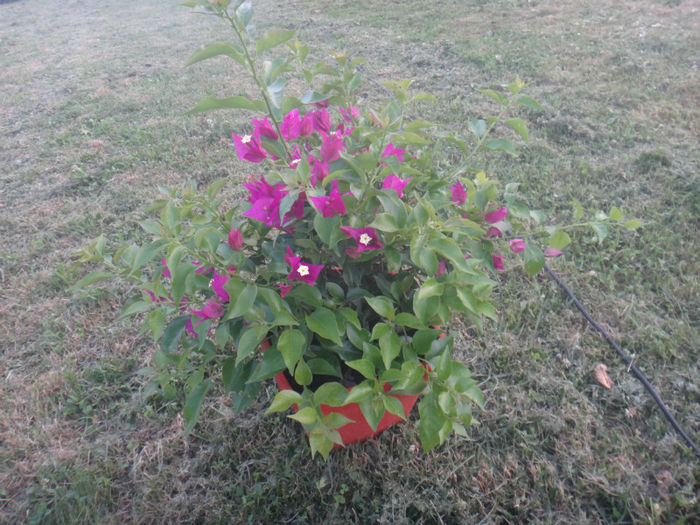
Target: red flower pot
{"points": [[359, 429]]}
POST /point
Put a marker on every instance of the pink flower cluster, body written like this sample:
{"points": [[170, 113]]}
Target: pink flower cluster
{"points": [[266, 199], [294, 126]]}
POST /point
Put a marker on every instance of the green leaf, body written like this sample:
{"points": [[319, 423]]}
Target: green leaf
{"points": [[156, 322], [222, 335], [272, 38], [305, 416], [331, 394], [272, 364], [146, 253], [244, 12], [424, 96], [496, 96], [274, 91], [423, 339], [357, 337], [426, 299], [444, 366], [215, 187], [306, 294], [249, 341], [328, 366], [283, 400], [518, 125], [475, 395], [193, 403], [350, 316], [336, 420], [328, 230], [632, 224], [477, 127], [136, 308], [291, 344], [538, 216], [373, 410], [451, 251], [502, 145], [335, 291], [389, 347], [431, 421], [420, 215], [379, 330], [466, 297], [364, 367], [534, 259], [409, 320], [384, 222], [311, 97], [382, 305], [601, 230], [91, 278], [559, 240], [302, 374], [459, 429], [242, 304], [169, 215], [174, 257], [414, 138], [173, 332], [151, 226], [423, 256], [236, 102], [578, 209], [228, 368], [393, 406], [322, 321], [181, 274], [321, 440], [273, 68], [615, 214], [360, 392], [529, 102], [217, 49], [394, 206], [446, 402]]}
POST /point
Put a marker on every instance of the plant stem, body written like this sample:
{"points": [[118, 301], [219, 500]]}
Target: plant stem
{"points": [[481, 140], [253, 71]]}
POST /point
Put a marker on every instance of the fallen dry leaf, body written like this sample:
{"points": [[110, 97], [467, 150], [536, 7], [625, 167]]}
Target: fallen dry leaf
{"points": [[601, 376]]}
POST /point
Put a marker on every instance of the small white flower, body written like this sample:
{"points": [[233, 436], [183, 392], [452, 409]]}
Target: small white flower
{"points": [[245, 139], [295, 162], [303, 270], [365, 239]]}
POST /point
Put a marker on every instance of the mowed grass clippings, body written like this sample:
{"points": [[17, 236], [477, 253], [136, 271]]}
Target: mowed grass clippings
{"points": [[92, 101]]}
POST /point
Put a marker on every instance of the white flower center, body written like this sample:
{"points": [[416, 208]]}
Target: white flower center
{"points": [[295, 162], [245, 139], [365, 239], [303, 270]]}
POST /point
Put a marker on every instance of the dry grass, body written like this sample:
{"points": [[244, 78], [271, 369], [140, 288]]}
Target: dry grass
{"points": [[91, 119]]}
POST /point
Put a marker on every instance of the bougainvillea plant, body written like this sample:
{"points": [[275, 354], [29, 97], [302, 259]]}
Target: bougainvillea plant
{"points": [[348, 257]]}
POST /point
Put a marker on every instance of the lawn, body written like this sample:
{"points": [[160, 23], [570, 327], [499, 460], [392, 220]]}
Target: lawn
{"points": [[93, 98]]}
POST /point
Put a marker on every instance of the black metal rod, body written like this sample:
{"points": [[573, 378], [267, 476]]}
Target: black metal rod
{"points": [[626, 358]]}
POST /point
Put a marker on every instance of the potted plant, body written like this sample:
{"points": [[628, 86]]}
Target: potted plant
{"points": [[340, 269]]}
